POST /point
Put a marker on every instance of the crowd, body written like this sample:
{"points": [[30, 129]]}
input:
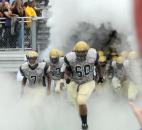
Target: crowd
{"points": [[10, 25]]}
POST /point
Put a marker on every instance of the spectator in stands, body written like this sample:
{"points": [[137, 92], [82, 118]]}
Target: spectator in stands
{"points": [[18, 10], [10, 25], [29, 12], [11, 1], [7, 33], [24, 7], [1, 27], [1, 14]]}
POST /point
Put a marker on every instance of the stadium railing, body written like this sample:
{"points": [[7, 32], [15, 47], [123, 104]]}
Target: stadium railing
{"points": [[21, 35]]}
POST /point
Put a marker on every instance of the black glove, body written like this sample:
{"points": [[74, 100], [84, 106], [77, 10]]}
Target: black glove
{"points": [[100, 80], [68, 81]]}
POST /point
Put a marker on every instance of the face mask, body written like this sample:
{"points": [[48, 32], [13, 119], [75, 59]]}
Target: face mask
{"points": [[54, 60], [81, 56], [102, 64], [119, 66]]}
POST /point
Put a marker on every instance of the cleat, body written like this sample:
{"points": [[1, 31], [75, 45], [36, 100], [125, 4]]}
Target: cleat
{"points": [[84, 127]]}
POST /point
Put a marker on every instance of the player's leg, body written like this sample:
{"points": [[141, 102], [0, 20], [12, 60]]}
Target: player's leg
{"points": [[57, 86], [72, 93], [116, 85], [84, 93]]}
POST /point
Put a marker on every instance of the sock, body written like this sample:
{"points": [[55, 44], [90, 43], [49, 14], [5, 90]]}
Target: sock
{"points": [[84, 119]]}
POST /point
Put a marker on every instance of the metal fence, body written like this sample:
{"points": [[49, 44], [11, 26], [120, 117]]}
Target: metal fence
{"points": [[19, 32]]}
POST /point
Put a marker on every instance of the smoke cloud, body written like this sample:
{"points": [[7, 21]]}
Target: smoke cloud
{"points": [[41, 112], [54, 112], [66, 16], [73, 20]]}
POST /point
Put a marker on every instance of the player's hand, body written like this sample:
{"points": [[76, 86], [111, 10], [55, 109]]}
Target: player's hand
{"points": [[100, 80], [68, 81]]}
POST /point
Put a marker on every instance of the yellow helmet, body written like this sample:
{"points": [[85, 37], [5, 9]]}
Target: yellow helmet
{"points": [[100, 53], [54, 53], [61, 54], [81, 46], [114, 54], [102, 58], [120, 59], [54, 56], [124, 54], [114, 58], [32, 58], [132, 55], [32, 54]]}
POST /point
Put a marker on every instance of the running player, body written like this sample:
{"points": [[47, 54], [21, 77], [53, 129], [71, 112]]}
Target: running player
{"points": [[80, 63], [34, 73], [55, 65]]}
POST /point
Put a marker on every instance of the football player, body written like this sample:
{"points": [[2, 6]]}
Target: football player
{"points": [[34, 73], [80, 84], [120, 77], [132, 66], [54, 70]]}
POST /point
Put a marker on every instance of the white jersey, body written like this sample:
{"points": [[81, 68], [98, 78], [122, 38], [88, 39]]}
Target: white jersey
{"points": [[120, 73], [55, 69], [82, 71], [34, 76]]}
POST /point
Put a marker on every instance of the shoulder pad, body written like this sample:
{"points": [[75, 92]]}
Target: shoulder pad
{"points": [[70, 56]]}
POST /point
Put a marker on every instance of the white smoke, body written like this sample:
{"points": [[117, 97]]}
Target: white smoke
{"points": [[67, 14], [55, 112], [33, 111]]}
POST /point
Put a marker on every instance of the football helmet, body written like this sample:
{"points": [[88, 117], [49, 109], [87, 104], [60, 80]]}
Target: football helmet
{"points": [[32, 57], [124, 54], [102, 58], [132, 55], [102, 61], [54, 56], [61, 54], [114, 58], [81, 48], [120, 60], [100, 53]]}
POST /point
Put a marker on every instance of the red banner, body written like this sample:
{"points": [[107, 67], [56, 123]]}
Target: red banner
{"points": [[138, 21]]}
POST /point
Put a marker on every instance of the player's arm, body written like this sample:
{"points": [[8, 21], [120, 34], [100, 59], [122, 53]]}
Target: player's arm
{"points": [[98, 70], [46, 74], [66, 70], [49, 83], [24, 81]]}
